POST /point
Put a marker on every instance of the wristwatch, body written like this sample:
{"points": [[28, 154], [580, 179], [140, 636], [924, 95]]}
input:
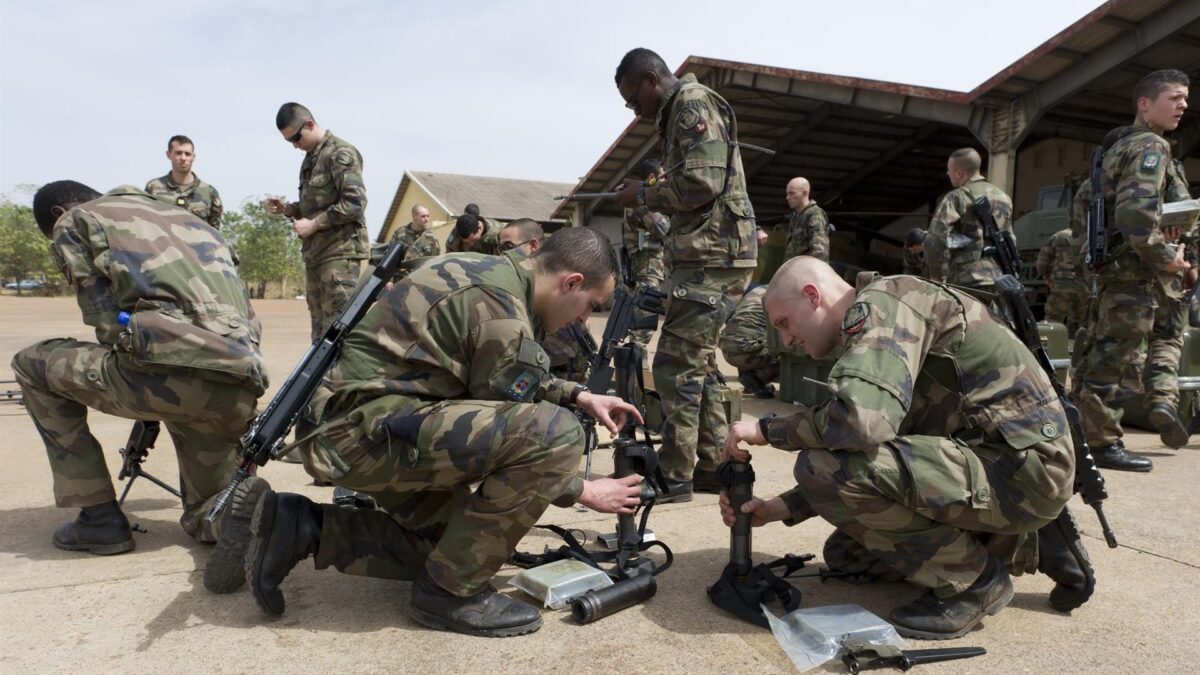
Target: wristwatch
{"points": [[574, 396], [762, 425]]}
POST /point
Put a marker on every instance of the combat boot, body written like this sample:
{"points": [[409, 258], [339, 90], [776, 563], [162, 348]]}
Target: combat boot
{"points": [[226, 568], [1165, 420], [1114, 456], [755, 386], [100, 530], [1062, 557], [485, 614], [932, 618], [678, 492], [285, 530], [705, 481]]}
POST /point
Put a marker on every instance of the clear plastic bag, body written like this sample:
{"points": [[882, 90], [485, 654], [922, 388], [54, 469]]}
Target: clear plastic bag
{"points": [[559, 582], [814, 635]]}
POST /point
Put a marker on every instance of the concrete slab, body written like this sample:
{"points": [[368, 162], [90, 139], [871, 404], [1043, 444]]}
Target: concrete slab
{"points": [[148, 612]]}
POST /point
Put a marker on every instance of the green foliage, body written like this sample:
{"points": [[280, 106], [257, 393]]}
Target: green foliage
{"points": [[268, 249], [24, 251]]}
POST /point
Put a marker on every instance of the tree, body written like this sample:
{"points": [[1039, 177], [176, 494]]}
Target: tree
{"points": [[24, 251], [268, 249]]}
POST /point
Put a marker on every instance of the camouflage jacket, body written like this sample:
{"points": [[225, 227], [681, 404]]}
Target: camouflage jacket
{"points": [[199, 197], [1139, 177], [914, 263], [922, 359], [489, 243], [954, 244], [332, 192], [808, 233], [459, 327], [643, 233], [417, 244], [1058, 259], [704, 191], [172, 274]]}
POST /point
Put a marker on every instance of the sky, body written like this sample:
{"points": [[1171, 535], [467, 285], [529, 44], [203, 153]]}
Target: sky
{"points": [[520, 88]]}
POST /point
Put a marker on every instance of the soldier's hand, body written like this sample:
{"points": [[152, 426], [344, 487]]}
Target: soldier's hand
{"points": [[612, 495], [1171, 233], [1178, 264], [762, 237], [761, 512], [609, 411], [742, 431], [304, 227], [274, 205], [627, 194]]}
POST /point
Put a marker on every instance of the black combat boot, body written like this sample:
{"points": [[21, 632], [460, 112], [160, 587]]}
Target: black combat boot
{"points": [[1062, 557], [932, 618], [485, 614], [100, 530], [285, 530], [755, 386], [705, 481], [678, 491], [226, 568], [1114, 456], [1165, 420]]}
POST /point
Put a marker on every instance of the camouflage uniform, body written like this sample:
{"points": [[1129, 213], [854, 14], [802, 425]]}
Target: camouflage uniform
{"points": [[808, 233], [744, 340], [188, 357], [711, 255], [198, 197], [1139, 318], [417, 244], [332, 192], [489, 243], [914, 263], [440, 387], [567, 360], [644, 232], [1068, 299], [940, 427], [954, 243]]}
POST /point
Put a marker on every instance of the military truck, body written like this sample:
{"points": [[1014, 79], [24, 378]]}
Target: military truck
{"points": [[1033, 230]]}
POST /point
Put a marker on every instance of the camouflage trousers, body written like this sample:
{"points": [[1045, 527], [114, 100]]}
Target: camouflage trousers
{"points": [[744, 340], [932, 508], [61, 378], [1132, 348], [328, 286], [460, 483], [685, 367], [1068, 306]]}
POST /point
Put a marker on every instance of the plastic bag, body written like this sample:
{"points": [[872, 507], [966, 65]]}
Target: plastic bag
{"points": [[559, 582], [813, 636]]}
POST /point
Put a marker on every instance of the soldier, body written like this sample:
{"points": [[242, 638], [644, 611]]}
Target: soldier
{"points": [[744, 345], [176, 342], [711, 254], [418, 241], [330, 216], [473, 233], [525, 234], [183, 188], [439, 388], [954, 243], [643, 232], [942, 450], [808, 226], [914, 252], [1056, 263], [1141, 285]]}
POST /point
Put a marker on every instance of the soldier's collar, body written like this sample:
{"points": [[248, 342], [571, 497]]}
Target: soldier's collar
{"points": [[324, 141], [862, 279], [170, 180], [668, 97]]}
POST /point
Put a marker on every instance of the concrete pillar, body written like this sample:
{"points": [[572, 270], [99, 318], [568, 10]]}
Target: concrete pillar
{"points": [[1002, 169]]}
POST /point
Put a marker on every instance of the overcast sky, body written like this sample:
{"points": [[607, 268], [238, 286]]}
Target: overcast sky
{"points": [[521, 89]]}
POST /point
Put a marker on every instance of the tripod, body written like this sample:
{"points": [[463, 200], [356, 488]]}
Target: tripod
{"points": [[141, 439]]}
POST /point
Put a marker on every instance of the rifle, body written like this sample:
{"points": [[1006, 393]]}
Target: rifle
{"points": [[263, 440], [1096, 249], [137, 448], [12, 395], [1089, 483]]}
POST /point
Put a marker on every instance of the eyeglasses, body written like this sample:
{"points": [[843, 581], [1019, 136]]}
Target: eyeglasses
{"points": [[295, 138], [631, 103], [508, 245]]}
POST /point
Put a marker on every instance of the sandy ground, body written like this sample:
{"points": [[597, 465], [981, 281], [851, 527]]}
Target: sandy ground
{"points": [[147, 611]]}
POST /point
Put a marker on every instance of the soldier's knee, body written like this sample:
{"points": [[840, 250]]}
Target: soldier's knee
{"points": [[560, 431], [29, 364]]}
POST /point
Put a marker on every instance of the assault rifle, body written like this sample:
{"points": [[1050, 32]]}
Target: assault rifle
{"points": [[265, 436], [1097, 228], [1089, 483], [579, 196]]}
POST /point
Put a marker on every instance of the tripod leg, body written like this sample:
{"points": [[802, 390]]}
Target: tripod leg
{"points": [[125, 492], [160, 484]]}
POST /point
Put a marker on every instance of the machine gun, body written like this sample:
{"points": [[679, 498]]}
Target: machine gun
{"points": [[618, 363], [265, 436], [1096, 249], [1089, 483], [136, 449]]}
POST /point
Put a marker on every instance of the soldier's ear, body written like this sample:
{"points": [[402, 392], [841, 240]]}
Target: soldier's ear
{"points": [[57, 211]]}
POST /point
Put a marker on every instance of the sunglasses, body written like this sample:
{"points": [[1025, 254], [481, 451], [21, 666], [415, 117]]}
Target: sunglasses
{"points": [[508, 245], [295, 138]]}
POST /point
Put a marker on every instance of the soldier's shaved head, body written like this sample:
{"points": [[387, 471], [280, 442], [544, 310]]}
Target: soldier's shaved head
{"points": [[54, 199], [291, 114], [806, 301], [420, 216], [967, 159], [797, 193], [526, 229]]}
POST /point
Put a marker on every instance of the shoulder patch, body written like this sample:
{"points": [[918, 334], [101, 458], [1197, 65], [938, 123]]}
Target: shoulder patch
{"points": [[522, 386], [344, 157], [688, 118], [1150, 160], [856, 318]]}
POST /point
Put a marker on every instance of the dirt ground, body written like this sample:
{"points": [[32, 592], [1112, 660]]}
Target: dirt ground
{"points": [[147, 611]]}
